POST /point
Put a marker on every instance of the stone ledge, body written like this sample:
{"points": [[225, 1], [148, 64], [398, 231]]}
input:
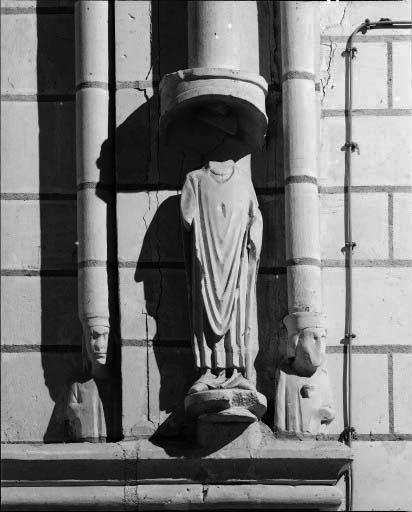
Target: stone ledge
{"points": [[172, 497], [117, 476], [275, 461]]}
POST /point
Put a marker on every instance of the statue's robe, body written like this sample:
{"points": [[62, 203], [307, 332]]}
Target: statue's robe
{"points": [[223, 236]]}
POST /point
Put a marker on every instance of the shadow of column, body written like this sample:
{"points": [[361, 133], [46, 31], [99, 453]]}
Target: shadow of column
{"points": [[61, 349]]}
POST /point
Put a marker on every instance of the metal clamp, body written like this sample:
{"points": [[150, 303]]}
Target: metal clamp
{"points": [[350, 335], [353, 146], [347, 433], [350, 51], [352, 245]]}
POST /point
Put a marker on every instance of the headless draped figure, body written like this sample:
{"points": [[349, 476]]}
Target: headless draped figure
{"points": [[222, 238]]}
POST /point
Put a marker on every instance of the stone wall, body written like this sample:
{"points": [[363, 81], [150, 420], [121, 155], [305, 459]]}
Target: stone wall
{"points": [[382, 230], [41, 337], [40, 331], [154, 321]]}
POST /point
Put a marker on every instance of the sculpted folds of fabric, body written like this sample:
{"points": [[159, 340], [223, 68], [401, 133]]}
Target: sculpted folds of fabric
{"points": [[223, 234]]}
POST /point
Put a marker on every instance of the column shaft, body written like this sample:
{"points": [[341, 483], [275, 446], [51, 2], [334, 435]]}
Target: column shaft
{"points": [[223, 35], [92, 116], [300, 125]]}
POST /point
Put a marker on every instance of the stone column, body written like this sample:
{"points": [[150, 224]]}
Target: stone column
{"points": [[223, 35], [222, 86], [85, 409], [92, 114], [303, 398]]}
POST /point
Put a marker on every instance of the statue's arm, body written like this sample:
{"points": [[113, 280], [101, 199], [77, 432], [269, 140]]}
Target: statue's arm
{"points": [[188, 205], [188, 202], [254, 248], [255, 230]]}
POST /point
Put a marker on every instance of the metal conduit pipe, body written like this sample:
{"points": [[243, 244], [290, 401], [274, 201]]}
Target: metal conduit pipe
{"points": [[350, 147]]}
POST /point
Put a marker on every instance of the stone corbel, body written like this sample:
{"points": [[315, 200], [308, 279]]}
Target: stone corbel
{"points": [[96, 338], [304, 351]]}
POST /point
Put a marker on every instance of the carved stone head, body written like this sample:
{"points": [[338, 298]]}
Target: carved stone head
{"points": [[306, 344], [96, 338]]}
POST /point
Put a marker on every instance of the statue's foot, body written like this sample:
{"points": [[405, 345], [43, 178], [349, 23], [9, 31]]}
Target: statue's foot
{"points": [[238, 381], [207, 380]]}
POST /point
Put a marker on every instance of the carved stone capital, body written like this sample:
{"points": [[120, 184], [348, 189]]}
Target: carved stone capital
{"points": [[197, 96]]}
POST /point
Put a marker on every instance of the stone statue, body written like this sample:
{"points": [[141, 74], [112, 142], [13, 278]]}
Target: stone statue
{"points": [[304, 401], [222, 231]]}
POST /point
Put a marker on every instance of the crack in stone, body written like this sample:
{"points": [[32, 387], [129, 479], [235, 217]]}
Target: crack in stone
{"points": [[205, 490], [325, 82], [348, 4]]}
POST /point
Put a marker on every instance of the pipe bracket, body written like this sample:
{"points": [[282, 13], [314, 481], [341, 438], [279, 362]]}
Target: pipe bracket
{"points": [[353, 146]]}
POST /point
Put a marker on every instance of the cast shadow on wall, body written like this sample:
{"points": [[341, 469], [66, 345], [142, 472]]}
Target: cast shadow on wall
{"points": [[61, 350], [145, 163], [60, 328]]}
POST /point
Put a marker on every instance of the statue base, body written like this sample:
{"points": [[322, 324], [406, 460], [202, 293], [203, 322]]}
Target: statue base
{"points": [[227, 417], [229, 405], [235, 430]]}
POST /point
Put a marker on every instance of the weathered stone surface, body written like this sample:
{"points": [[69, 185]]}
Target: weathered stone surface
{"points": [[36, 3], [138, 303], [380, 469], [370, 393], [170, 371], [44, 66], [273, 497], [239, 431], [93, 152], [155, 304], [135, 400], [58, 498], [50, 311], [302, 221], [217, 400], [171, 52], [173, 497], [223, 61], [402, 226], [85, 418], [46, 131], [389, 306], [147, 497], [32, 234], [370, 72], [402, 97], [341, 18], [150, 229], [137, 143], [93, 41], [222, 238], [133, 33], [306, 461], [402, 393], [370, 230], [385, 151], [39, 381]]}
